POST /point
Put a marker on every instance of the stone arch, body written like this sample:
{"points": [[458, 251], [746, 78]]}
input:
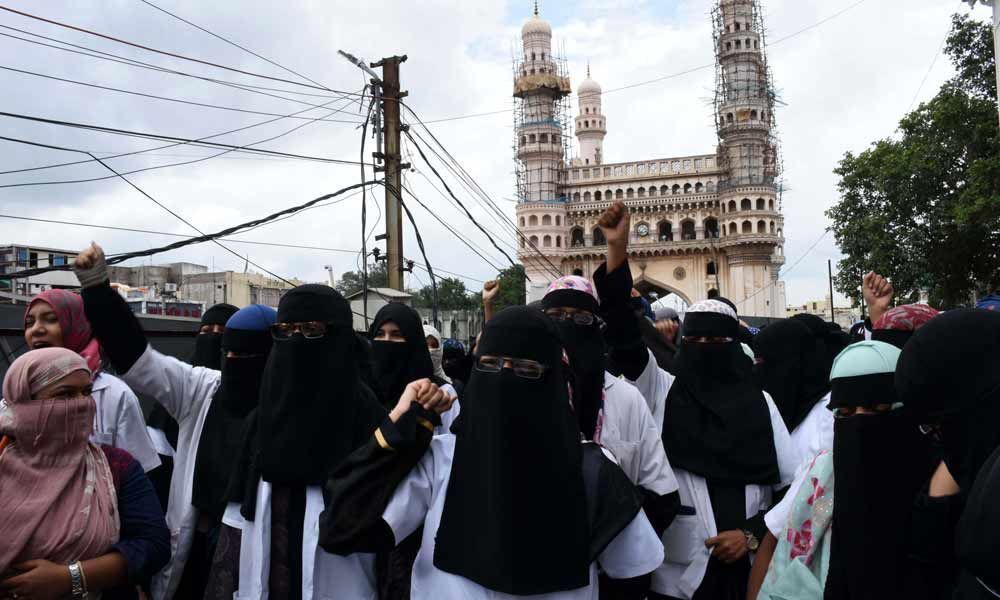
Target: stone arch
{"points": [[645, 284], [664, 190], [711, 228], [522, 221], [770, 204], [732, 206], [533, 221], [558, 221], [772, 227], [597, 196], [699, 187], [665, 231], [576, 237], [547, 241], [747, 227], [676, 189], [586, 196], [761, 227], [598, 237], [558, 241], [745, 204], [630, 193], [619, 194], [760, 204], [732, 229], [710, 268], [534, 240], [547, 220], [687, 188], [687, 229]]}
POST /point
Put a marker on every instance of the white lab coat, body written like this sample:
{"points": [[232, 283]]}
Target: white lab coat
{"points": [[186, 392], [632, 435], [686, 557], [325, 576], [813, 435], [118, 421], [419, 500]]}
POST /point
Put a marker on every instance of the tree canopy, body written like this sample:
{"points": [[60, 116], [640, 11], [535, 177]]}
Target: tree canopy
{"points": [[923, 207], [353, 281]]}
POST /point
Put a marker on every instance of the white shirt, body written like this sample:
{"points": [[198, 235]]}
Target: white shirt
{"points": [[685, 554], [118, 421], [325, 576], [419, 500], [186, 392], [633, 436], [813, 435]]}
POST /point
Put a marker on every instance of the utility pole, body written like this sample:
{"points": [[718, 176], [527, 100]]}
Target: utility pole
{"points": [[393, 165], [829, 273]]}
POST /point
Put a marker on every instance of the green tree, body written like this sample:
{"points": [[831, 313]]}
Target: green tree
{"points": [[352, 281], [451, 293], [512, 281], [923, 207]]}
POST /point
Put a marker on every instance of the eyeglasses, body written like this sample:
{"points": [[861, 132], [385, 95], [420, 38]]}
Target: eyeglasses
{"points": [[932, 431], [310, 330], [580, 318], [522, 367]]}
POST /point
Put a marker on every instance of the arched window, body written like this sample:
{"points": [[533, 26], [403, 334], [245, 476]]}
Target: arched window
{"points": [[710, 268], [558, 241], [586, 196], [619, 194], [547, 220], [543, 138], [597, 196], [747, 227], [676, 189], [576, 237], [598, 236], [779, 232], [547, 241], [641, 192], [586, 123], [533, 220], [729, 45], [753, 115], [732, 206], [652, 190], [664, 190], [736, 24], [531, 138], [739, 44], [732, 229], [522, 221], [761, 227], [711, 228], [687, 230], [687, 188], [630, 193], [586, 111], [665, 231], [608, 195], [772, 227], [699, 188], [760, 204], [576, 196], [710, 187], [522, 242], [770, 205], [729, 118], [524, 140], [745, 204], [559, 220], [534, 240]]}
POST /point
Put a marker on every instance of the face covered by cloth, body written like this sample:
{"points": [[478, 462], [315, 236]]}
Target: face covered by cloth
{"points": [[208, 346], [584, 345], [248, 337], [396, 364], [437, 354], [791, 367], [515, 513], [59, 500]]}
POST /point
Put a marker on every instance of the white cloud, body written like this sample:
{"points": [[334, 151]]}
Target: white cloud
{"points": [[845, 84]]}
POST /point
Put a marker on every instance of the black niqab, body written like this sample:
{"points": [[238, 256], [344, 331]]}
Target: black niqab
{"points": [[792, 369], [977, 545], [717, 423], [396, 364], [515, 514], [949, 374]]}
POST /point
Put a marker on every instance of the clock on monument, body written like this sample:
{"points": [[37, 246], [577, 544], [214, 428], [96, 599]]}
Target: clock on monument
{"points": [[642, 230]]}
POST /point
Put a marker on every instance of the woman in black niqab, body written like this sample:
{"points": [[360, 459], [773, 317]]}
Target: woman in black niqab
{"points": [[515, 513], [792, 368], [397, 363]]}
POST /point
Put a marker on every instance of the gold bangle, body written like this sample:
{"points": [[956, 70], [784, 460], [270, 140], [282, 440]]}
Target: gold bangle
{"points": [[381, 440]]}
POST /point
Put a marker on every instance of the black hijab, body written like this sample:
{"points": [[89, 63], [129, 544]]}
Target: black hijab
{"points": [[207, 353], [314, 409], [949, 375], [584, 346], [792, 368], [829, 336], [396, 364], [515, 514], [881, 461], [977, 544], [717, 423], [247, 334]]}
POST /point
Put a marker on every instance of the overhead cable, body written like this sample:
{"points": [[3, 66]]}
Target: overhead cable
{"points": [[163, 52]]}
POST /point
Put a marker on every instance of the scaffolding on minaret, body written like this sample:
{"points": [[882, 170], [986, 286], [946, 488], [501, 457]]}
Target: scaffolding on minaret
{"points": [[530, 88], [744, 97]]}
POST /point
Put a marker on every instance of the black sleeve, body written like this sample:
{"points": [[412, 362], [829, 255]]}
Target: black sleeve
{"points": [[756, 524], [634, 588], [660, 510], [360, 488], [144, 539], [115, 326], [628, 351]]}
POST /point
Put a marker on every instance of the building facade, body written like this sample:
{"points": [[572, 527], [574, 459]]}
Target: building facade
{"points": [[710, 221], [17, 257]]}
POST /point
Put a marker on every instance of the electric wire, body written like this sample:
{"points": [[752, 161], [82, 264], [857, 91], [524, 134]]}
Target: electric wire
{"points": [[789, 269], [163, 52], [423, 252], [230, 42]]}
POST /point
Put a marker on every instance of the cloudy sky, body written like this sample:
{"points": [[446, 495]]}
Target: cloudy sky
{"points": [[843, 84]]}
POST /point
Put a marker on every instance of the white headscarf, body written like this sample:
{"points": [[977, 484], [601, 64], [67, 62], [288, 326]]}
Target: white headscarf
{"points": [[437, 354]]}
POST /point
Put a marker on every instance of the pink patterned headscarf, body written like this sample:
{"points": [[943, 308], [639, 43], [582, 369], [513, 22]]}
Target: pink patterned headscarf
{"points": [[574, 282], [76, 332], [908, 317], [56, 490]]}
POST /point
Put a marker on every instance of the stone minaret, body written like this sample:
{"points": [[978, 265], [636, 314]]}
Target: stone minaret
{"points": [[590, 122]]}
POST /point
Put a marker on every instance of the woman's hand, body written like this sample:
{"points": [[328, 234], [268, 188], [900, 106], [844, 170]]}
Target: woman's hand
{"points": [[728, 546], [424, 393], [942, 483], [668, 329], [614, 223], [38, 580], [90, 256]]}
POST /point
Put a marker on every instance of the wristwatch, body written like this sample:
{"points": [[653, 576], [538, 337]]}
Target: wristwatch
{"points": [[752, 542]]}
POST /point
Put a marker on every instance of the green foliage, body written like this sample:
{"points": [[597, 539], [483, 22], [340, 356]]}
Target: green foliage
{"points": [[451, 294], [352, 281], [923, 208], [512, 288]]}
